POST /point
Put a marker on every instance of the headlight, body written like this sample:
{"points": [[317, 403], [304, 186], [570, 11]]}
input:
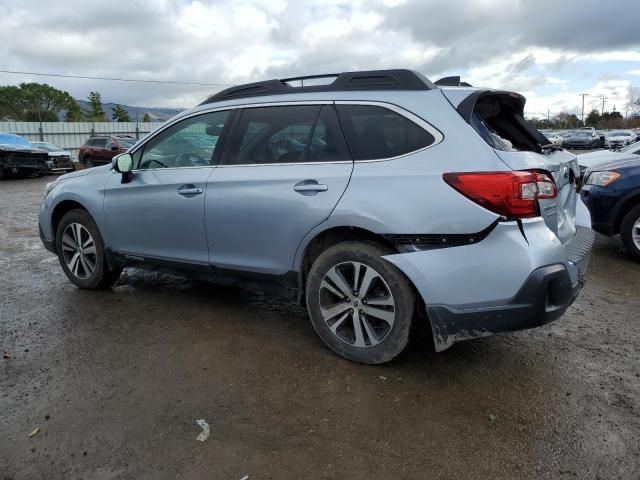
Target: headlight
{"points": [[50, 186], [602, 179]]}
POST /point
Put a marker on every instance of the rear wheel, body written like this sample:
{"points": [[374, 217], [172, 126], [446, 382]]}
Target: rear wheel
{"points": [[630, 232], [81, 252], [360, 305]]}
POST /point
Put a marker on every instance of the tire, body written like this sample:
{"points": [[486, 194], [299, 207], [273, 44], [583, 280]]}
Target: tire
{"points": [[78, 267], [630, 226], [88, 162], [379, 340]]}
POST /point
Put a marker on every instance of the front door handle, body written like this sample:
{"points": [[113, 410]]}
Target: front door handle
{"points": [[310, 187], [189, 191]]}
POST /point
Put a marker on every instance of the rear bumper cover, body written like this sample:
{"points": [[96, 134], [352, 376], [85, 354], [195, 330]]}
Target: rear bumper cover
{"points": [[544, 297], [512, 280]]}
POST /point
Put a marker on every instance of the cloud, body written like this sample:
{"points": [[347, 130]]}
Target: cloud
{"points": [[523, 46]]}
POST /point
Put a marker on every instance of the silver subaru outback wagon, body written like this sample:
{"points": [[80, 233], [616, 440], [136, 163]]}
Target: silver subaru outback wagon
{"points": [[377, 199]]}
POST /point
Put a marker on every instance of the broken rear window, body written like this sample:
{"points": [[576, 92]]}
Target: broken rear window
{"points": [[498, 118]]}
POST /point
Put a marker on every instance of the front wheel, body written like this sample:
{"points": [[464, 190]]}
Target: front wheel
{"points": [[81, 252], [630, 232], [360, 305], [88, 162]]}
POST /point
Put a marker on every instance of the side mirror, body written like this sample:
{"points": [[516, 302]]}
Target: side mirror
{"points": [[114, 147], [123, 164]]}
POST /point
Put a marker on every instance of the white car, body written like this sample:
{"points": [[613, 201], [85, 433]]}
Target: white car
{"points": [[555, 138], [58, 159], [619, 138], [593, 159]]}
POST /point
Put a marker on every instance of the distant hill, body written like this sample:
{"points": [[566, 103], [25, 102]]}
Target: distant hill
{"points": [[156, 114]]}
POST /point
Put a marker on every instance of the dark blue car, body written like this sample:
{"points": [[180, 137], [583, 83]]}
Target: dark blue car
{"points": [[611, 191]]}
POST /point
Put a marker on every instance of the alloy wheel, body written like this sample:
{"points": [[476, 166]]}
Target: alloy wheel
{"points": [[357, 304], [635, 233], [79, 250]]}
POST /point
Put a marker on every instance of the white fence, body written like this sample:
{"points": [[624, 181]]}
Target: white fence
{"points": [[71, 135]]}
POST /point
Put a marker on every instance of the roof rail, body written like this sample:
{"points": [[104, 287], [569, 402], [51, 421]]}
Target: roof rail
{"points": [[452, 82], [348, 81]]}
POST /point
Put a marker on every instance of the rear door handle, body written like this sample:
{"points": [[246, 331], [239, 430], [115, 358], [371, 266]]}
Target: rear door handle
{"points": [[310, 187], [189, 191]]}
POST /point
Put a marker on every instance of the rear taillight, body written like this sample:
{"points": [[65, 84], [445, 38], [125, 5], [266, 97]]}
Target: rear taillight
{"points": [[512, 194]]}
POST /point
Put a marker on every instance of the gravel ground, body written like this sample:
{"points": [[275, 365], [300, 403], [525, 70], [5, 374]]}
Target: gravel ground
{"points": [[116, 380]]}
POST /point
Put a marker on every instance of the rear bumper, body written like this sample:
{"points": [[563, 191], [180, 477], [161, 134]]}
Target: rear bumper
{"points": [[512, 280], [544, 297]]}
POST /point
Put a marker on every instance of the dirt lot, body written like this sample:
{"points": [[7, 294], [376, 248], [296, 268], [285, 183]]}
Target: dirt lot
{"points": [[116, 380]]}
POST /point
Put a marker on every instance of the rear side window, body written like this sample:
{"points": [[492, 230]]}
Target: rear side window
{"points": [[374, 132]]}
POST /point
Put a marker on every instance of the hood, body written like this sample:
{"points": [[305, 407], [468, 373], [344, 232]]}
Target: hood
{"points": [[9, 147], [102, 170], [602, 156], [620, 138], [629, 161]]}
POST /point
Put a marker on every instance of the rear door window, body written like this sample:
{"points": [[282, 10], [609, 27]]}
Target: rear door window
{"points": [[327, 142], [268, 135], [374, 132]]}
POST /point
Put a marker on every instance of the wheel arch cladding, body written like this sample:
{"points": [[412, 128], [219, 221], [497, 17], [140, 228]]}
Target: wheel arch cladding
{"points": [[332, 236], [625, 205], [63, 208]]}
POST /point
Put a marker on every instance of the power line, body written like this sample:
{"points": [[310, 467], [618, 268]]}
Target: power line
{"points": [[115, 79]]}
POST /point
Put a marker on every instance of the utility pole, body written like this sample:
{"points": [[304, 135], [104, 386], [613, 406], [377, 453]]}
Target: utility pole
{"points": [[583, 95], [604, 99]]}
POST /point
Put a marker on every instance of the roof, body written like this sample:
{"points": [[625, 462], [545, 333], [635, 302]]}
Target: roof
{"points": [[380, 80]]}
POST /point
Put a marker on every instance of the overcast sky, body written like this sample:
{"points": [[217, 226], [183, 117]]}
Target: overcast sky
{"points": [[548, 50]]}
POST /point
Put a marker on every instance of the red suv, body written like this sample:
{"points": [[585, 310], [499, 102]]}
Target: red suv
{"points": [[100, 149]]}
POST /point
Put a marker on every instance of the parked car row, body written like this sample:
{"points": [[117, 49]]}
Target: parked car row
{"points": [[590, 138], [19, 157]]}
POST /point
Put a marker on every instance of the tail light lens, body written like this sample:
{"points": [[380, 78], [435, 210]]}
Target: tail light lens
{"points": [[512, 194]]}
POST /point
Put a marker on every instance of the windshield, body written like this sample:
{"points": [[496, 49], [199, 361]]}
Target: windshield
{"points": [[49, 147], [618, 134], [583, 134], [127, 142], [9, 139]]}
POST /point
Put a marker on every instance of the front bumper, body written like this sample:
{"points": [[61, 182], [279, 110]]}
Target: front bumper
{"points": [[512, 280], [60, 164], [48, 244]]}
